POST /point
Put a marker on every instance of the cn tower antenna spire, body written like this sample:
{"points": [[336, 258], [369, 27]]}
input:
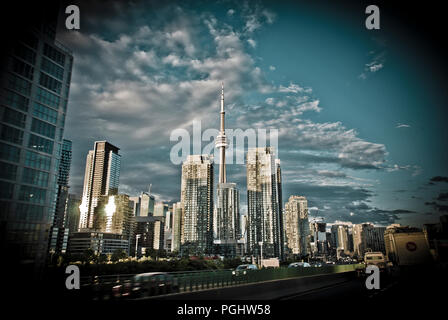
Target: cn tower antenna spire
{"points": [[221, 141], [222, 97]]}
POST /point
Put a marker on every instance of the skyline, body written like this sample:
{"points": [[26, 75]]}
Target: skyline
{"points": [[351, 165]]}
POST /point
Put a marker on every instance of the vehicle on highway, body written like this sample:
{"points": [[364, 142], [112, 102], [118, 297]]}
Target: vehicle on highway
{"points": [[243, 268], [299, 265], [147, 284], [375, 258]]}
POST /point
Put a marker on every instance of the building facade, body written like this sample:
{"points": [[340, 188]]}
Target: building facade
{"points": [[367, 237], [35, 80], [178, 213], [197, 203], [148, 235], [296, 225], [319, 246], [101, 179], [59, 231], [264, 234]]}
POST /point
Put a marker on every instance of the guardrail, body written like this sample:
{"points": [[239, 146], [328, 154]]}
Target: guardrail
{"points": [[224, 278], [190, 281]]}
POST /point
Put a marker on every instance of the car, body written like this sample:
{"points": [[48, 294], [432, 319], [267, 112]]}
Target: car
{"points": [[149, 284], [299, 265], [243, 268]]}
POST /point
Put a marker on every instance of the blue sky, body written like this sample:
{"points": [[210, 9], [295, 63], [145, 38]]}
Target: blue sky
{"points": [[361, 113]]}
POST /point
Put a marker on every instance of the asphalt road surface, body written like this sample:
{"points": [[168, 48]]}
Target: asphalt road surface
{"points": [[405, 288]]}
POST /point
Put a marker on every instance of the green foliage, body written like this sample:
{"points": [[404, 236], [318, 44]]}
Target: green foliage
{"points": [[118, 255]]}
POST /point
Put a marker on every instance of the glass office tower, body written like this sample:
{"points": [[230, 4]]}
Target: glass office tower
{"points": [[34, 88]]}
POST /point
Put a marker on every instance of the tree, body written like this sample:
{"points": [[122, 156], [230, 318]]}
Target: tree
{"points": [[88, 256], [102, 258], [117, 255]]}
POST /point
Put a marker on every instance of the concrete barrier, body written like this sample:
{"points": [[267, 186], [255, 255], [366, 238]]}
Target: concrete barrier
{"points": [[266, 290]]}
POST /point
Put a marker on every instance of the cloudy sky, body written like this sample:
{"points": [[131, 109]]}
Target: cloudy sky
{"points": [[360, 113]]}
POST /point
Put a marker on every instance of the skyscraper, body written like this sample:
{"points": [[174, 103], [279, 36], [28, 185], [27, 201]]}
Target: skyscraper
{"points": [[343, 239], [263, 203], [318, 239], [59, 231], [296, 225], [367, 237], [34, 87], [227, 214], [197, 203], [147, 202], [160, 209], [101, 179], [177, 226]]}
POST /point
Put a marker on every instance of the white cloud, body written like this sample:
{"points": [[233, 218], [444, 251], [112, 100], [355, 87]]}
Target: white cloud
{"points": [[252, 43], [376, 64], [402, 125]]}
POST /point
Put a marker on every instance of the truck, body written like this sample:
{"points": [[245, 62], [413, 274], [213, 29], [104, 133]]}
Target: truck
{"points": [[375, 258], [270, 263], [406, 246]]}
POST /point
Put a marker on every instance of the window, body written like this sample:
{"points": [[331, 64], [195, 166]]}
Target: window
{"points": [[8, 171], [30, 40], [29, 212], [38, 161], [50, 83], [18, 84], [15, 100], [45, 113], [52, 69], [14, 117], [61, 134], [40, 144], [32, 194], [54, 54], [11, 134], [31, 176], [25, 53], [10, 153], [6, 190], [22, 68], [47, 98], [43, 128]]}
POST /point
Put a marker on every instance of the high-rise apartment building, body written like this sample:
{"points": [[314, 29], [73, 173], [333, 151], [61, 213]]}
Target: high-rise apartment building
{"points": [[148, 235], [177, 226], [296, 225], [197, 203], [264, 235], [101, 179], [35, 79], [160, 209], [343, 239], [318, 243], [113, 219], [73, 214], [59, 231], [367, 237], [147, 205]]}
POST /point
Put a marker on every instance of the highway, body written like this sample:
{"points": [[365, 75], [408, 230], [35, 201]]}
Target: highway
{"points": [[414, 287]]}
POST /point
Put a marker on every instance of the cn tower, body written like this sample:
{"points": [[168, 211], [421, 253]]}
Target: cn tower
{"points": [[227, 213]]}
